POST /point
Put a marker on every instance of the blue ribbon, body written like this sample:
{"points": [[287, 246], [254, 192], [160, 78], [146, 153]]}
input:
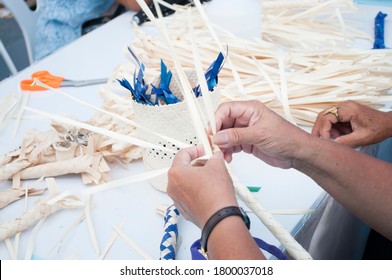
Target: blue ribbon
{"points": [[379, 23], [273, 250], [211, 75], [139, 91], [163, 92]]}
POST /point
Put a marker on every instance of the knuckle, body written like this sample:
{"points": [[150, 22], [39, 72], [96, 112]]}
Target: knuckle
{"points": [[237, 137]]}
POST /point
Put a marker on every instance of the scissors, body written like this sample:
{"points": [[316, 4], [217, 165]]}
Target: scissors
{"points": [[54, 81]]}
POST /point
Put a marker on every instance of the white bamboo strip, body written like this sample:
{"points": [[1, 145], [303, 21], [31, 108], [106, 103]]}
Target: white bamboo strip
{"points": [[111, 241], [7, 106], [74, 256], [133, 244], [99, 130], [201, 77], [114, 115], [25, 100], [133, 179], [283, 90], [185, 86], [292, 212], [77, 221], [10, 248], [219, 44], [17, 239], [281, 5], [31, 242], [292, 246], [165, 4], [90, 225], [59, 197]]}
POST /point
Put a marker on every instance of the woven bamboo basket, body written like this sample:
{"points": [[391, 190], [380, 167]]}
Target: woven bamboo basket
{"points": [[171, 120]]}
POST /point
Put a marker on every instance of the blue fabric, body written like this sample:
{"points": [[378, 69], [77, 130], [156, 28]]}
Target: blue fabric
{"points": [[379, 23], [273, 250], [60, 22]]}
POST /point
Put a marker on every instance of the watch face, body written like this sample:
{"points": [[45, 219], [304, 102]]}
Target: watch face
{"points": [[246, 218]]}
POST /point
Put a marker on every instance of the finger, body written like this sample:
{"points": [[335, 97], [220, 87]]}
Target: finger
{"points": [[352, 140], [234, 136], [228, 155], [186, 155], [316, 125], [232, 114], [326, 126], [316, 128], [216, 158]]}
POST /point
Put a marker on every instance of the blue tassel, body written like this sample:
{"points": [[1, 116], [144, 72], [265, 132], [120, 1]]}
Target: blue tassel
{"points": [[379, 23], [211, 75], [163, 92], [139, 91]]}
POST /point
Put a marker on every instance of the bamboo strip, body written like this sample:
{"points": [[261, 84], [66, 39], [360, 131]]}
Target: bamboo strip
{"points": [[90, 226], [31, 242], [185, 86], [115, 116], [285, 238], [112, 134], [111, 241], [133, 244], [25, 100]]}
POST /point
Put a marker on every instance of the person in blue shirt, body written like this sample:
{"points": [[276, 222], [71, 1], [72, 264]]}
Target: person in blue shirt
{"points": [[60, 21]]}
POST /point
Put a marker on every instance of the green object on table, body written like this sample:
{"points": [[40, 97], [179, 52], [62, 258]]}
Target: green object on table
{"points": [[253, 188]]}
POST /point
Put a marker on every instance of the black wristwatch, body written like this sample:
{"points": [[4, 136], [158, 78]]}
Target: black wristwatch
{"points": [[216, 218]]}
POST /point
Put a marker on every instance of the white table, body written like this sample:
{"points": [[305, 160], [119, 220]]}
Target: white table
{"points": [[95, 55]]}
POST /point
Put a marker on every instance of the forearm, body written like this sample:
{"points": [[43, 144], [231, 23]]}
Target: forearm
{"points": [[230, 239], [362, 184]]}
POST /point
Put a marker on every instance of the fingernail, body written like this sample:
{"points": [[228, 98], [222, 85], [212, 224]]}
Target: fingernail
{"points": [[220, 139]]}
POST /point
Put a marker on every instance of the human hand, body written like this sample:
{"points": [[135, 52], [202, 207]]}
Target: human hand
{"points": [[251, 127], [357, 125], [199, 191]]}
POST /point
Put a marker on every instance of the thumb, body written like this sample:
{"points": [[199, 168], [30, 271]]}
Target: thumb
{"points": [[352, 140], [233, 136]]}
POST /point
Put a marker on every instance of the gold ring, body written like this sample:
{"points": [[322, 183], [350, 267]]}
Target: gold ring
{"points": [[333, 111]]}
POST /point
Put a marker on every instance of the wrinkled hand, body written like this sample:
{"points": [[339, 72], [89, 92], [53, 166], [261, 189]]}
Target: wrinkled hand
{"points": [[357, 125], [200, 191], [251, 127]]}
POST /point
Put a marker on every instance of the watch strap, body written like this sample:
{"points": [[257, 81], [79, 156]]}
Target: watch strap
{"points": [[216, 218]]}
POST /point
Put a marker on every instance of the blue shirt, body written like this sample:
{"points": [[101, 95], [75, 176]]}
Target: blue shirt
{"points": [[60, 22]]}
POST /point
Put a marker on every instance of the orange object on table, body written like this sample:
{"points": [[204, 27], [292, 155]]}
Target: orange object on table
{"points": [[54, 81]]}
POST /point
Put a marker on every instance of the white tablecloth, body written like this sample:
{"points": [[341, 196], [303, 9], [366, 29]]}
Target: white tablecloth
{"points": [[95, 55]]}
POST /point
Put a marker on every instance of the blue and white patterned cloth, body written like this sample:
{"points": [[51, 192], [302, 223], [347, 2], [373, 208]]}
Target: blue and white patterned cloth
{"points": [[60, 22]]}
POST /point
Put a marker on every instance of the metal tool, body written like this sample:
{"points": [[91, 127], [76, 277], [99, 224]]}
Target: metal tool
{"points": [[55, 81]]}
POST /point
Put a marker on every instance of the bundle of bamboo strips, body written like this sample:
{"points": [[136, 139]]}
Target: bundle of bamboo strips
{"points": [[295, 81], [296, 75]]}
